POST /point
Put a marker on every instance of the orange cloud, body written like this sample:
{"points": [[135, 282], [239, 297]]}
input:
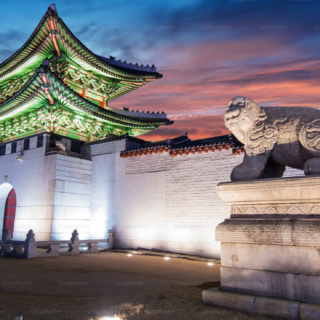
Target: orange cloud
{"points": [[200, 80]]}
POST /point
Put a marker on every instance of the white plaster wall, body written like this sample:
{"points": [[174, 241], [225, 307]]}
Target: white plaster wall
{"points": [[53, 194], [108, 173], [192, 209], [33, 181], [153, 202], [161, 202], [72, 193]]}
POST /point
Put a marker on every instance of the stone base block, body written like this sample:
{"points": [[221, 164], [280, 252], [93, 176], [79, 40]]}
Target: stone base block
{"points": [[290, 259], [277, 307], [229, 300], [309, 311], [286, 309], [299, 287]]}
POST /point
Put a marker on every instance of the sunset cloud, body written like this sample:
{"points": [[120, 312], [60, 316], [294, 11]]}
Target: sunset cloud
{"points": [[208, 52]]}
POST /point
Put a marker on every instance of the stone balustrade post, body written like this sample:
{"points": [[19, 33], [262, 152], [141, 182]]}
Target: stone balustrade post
{"points": [[110, 239], [74, 246], [93, 247], [53, 249], [30, 245], [6, 237]]}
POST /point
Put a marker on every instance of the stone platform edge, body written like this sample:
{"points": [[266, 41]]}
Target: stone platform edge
{"points": [[168, 254], [287, 309]]}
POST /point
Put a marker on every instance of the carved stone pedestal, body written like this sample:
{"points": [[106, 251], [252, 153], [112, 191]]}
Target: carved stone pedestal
{"points": [[270, 246]]}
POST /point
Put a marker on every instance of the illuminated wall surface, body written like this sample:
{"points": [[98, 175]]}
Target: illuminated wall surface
{"points": [[163, 202], [154, 201]]}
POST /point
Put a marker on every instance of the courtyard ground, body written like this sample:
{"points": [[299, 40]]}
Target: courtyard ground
{"points": [[106, 285]]}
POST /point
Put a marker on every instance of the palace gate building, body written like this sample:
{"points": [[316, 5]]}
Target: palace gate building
{"points": [[69, 161]]}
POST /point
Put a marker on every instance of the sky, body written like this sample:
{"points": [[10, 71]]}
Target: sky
{"points": [[208, 51]]}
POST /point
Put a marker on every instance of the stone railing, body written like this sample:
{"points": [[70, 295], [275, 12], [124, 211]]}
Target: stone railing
{"points": [[27, 249]]}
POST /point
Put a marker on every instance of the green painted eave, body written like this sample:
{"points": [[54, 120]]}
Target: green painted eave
{"points": [[32, 96], [40, 46]]}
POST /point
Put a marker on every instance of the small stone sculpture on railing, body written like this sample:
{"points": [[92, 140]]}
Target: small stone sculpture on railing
{"points": [[75, 244], [27, 249]]}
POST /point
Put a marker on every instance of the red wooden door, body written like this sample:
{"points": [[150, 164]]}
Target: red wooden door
{"points": [[10, 212]]}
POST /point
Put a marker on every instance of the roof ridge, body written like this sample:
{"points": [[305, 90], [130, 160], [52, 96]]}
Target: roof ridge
{"points": [[27, 42], [86, 48]]}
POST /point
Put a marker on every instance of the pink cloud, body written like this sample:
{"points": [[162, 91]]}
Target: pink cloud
{"points": [[200, 80]]}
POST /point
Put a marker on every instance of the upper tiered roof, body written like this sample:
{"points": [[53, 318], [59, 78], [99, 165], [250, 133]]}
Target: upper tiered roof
{"points": [[55, 83], [52, 36]]}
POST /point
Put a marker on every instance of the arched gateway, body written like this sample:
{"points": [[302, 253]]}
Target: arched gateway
{"points": [[10, 212], [8, 203]]}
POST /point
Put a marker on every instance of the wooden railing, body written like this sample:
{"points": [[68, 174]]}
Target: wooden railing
{"points": [[28, 249]]}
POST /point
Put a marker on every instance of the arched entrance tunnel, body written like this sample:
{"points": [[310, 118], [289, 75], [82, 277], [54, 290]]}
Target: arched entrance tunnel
{"points": [[8, 203]]}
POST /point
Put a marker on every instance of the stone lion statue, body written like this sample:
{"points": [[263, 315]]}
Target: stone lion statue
{"points": [[274, 137]]}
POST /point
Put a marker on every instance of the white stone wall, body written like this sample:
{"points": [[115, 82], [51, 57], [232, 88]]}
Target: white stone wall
{"points": [[155, 202], [33, 181], [192, 209], [53, 194], [161, 202], [104, 148], [71, 206]]}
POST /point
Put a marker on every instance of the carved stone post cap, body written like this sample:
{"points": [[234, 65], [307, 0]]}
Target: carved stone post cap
{"points": [[74, 235], [6, 235], [30, 235]]}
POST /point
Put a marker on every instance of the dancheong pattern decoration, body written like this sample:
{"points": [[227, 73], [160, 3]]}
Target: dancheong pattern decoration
{"points": [[53, 83]]}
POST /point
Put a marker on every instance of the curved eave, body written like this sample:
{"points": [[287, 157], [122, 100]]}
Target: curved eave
{"points": [[24, 98], [109, 67], [126, 119], [22, 57], [46, 49], [27, 43]]}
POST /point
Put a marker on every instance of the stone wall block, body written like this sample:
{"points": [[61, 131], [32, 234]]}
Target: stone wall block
{"points": [[277, 308], [291, 286], [309, 311], [307, 233], [255, 231], [215, 296], [279, 258]]}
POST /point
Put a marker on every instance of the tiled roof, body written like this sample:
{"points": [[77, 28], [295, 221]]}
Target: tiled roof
{"points": [[132, 68], [113, 137], [183, 145], [169, 142]]}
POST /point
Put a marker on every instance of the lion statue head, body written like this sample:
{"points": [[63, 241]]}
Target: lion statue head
{"points": [[241, 115], [247, 121]]}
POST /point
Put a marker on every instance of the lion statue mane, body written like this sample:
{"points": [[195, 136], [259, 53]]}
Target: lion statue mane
{"points": [[273, 138]]}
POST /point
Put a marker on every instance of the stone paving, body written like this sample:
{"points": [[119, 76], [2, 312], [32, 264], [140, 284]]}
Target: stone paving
{"points": [[102, 274]]}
